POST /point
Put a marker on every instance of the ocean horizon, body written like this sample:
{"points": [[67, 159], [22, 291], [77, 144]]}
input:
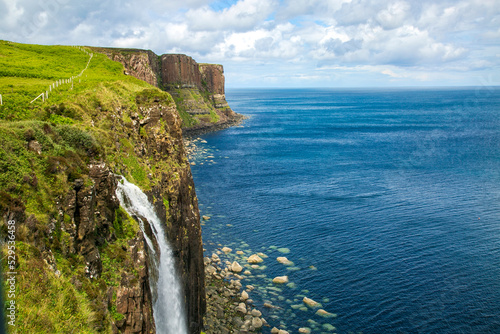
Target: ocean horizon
{"points": [[384, 200]]}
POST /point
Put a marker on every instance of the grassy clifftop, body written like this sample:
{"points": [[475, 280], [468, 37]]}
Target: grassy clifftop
{"points": [[47, 152]]}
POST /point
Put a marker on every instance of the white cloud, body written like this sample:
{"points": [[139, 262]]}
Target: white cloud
{"points": [[394, 15], [400, 38], [243, 15]]}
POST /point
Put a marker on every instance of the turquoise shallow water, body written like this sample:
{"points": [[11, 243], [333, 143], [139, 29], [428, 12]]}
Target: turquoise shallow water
{"points": [[393, 196]]}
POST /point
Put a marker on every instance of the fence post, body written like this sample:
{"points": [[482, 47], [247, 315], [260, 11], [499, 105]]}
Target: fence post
{"points": [[1, 101]]}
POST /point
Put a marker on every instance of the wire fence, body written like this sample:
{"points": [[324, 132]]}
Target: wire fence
{"points": [[60, 82]]}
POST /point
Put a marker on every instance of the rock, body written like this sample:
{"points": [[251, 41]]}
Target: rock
{"points": [[285, 261], [268, 305], [275, 330], [240, 252], [247, 272], [244, 295], [205, 217], [235, 267], [254, 259], [325, 314], [250, 287], [257, 322], [35, 146], [256, 313], [328, 327], [309, 302], [280, 279], [215, 257], [282, 331], [237, 322], [262, 255], [226, 250], [241, 308], [305, 330], [210, 269]]}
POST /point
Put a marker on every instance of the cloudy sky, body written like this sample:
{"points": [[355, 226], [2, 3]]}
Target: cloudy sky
{"points": [[285, 43]]}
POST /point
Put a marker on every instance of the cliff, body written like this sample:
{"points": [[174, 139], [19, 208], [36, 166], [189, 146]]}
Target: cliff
{"points": [[198, 89], [82, 261]]}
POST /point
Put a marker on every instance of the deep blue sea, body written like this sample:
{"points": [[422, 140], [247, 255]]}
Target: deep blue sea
{"points": [[387, 201]]}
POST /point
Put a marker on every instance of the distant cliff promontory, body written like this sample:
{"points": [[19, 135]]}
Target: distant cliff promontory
{"points": [[198, 89]]}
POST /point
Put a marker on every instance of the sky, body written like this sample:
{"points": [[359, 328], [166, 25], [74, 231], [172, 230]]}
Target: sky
{"points": [[285, 43]]}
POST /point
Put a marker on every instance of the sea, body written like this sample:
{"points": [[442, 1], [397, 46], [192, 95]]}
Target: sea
{"points": [[386, 202]]}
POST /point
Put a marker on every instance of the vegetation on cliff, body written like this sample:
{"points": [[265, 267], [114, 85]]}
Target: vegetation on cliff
{"points": [[78, 254]]}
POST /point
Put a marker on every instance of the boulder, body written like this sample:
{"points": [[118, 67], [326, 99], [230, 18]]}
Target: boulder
{"points": [[226, 250], [325, 314], [241, 308], [210, 269], [254, 259], [244, 295], [285, 261], [256, 313], [235, 267], [257, 322], [309, 302], [280, 280]]}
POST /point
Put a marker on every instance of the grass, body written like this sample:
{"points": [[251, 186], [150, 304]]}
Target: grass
{"points": [[28, 70], [47, 303], [44, 148]]}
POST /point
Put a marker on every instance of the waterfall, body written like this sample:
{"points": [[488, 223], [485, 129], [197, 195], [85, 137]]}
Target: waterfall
{"points": [[168, 303]]}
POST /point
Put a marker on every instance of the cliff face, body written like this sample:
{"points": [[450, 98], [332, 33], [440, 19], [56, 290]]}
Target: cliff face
{"points": [[180, 70], [92, 210], [213, 77], [175, 187], [78, 253], [198, 89]]}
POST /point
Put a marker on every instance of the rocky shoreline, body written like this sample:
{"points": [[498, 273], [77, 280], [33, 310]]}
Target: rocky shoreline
{"points": [[204, 128], [229, 306]]}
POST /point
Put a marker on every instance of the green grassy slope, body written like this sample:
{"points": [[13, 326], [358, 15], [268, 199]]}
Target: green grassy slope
{"points": [[75, 126]]}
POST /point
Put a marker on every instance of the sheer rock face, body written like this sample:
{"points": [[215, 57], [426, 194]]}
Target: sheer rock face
{"points": [[133, 297], [182, 221], [213, 76], [180, 70]]}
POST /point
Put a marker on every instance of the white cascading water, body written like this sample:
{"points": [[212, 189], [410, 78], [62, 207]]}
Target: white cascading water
{"points": [[168, 308]]}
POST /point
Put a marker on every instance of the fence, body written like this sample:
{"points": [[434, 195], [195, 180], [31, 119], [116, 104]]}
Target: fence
{"points": [[45, 95]]}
